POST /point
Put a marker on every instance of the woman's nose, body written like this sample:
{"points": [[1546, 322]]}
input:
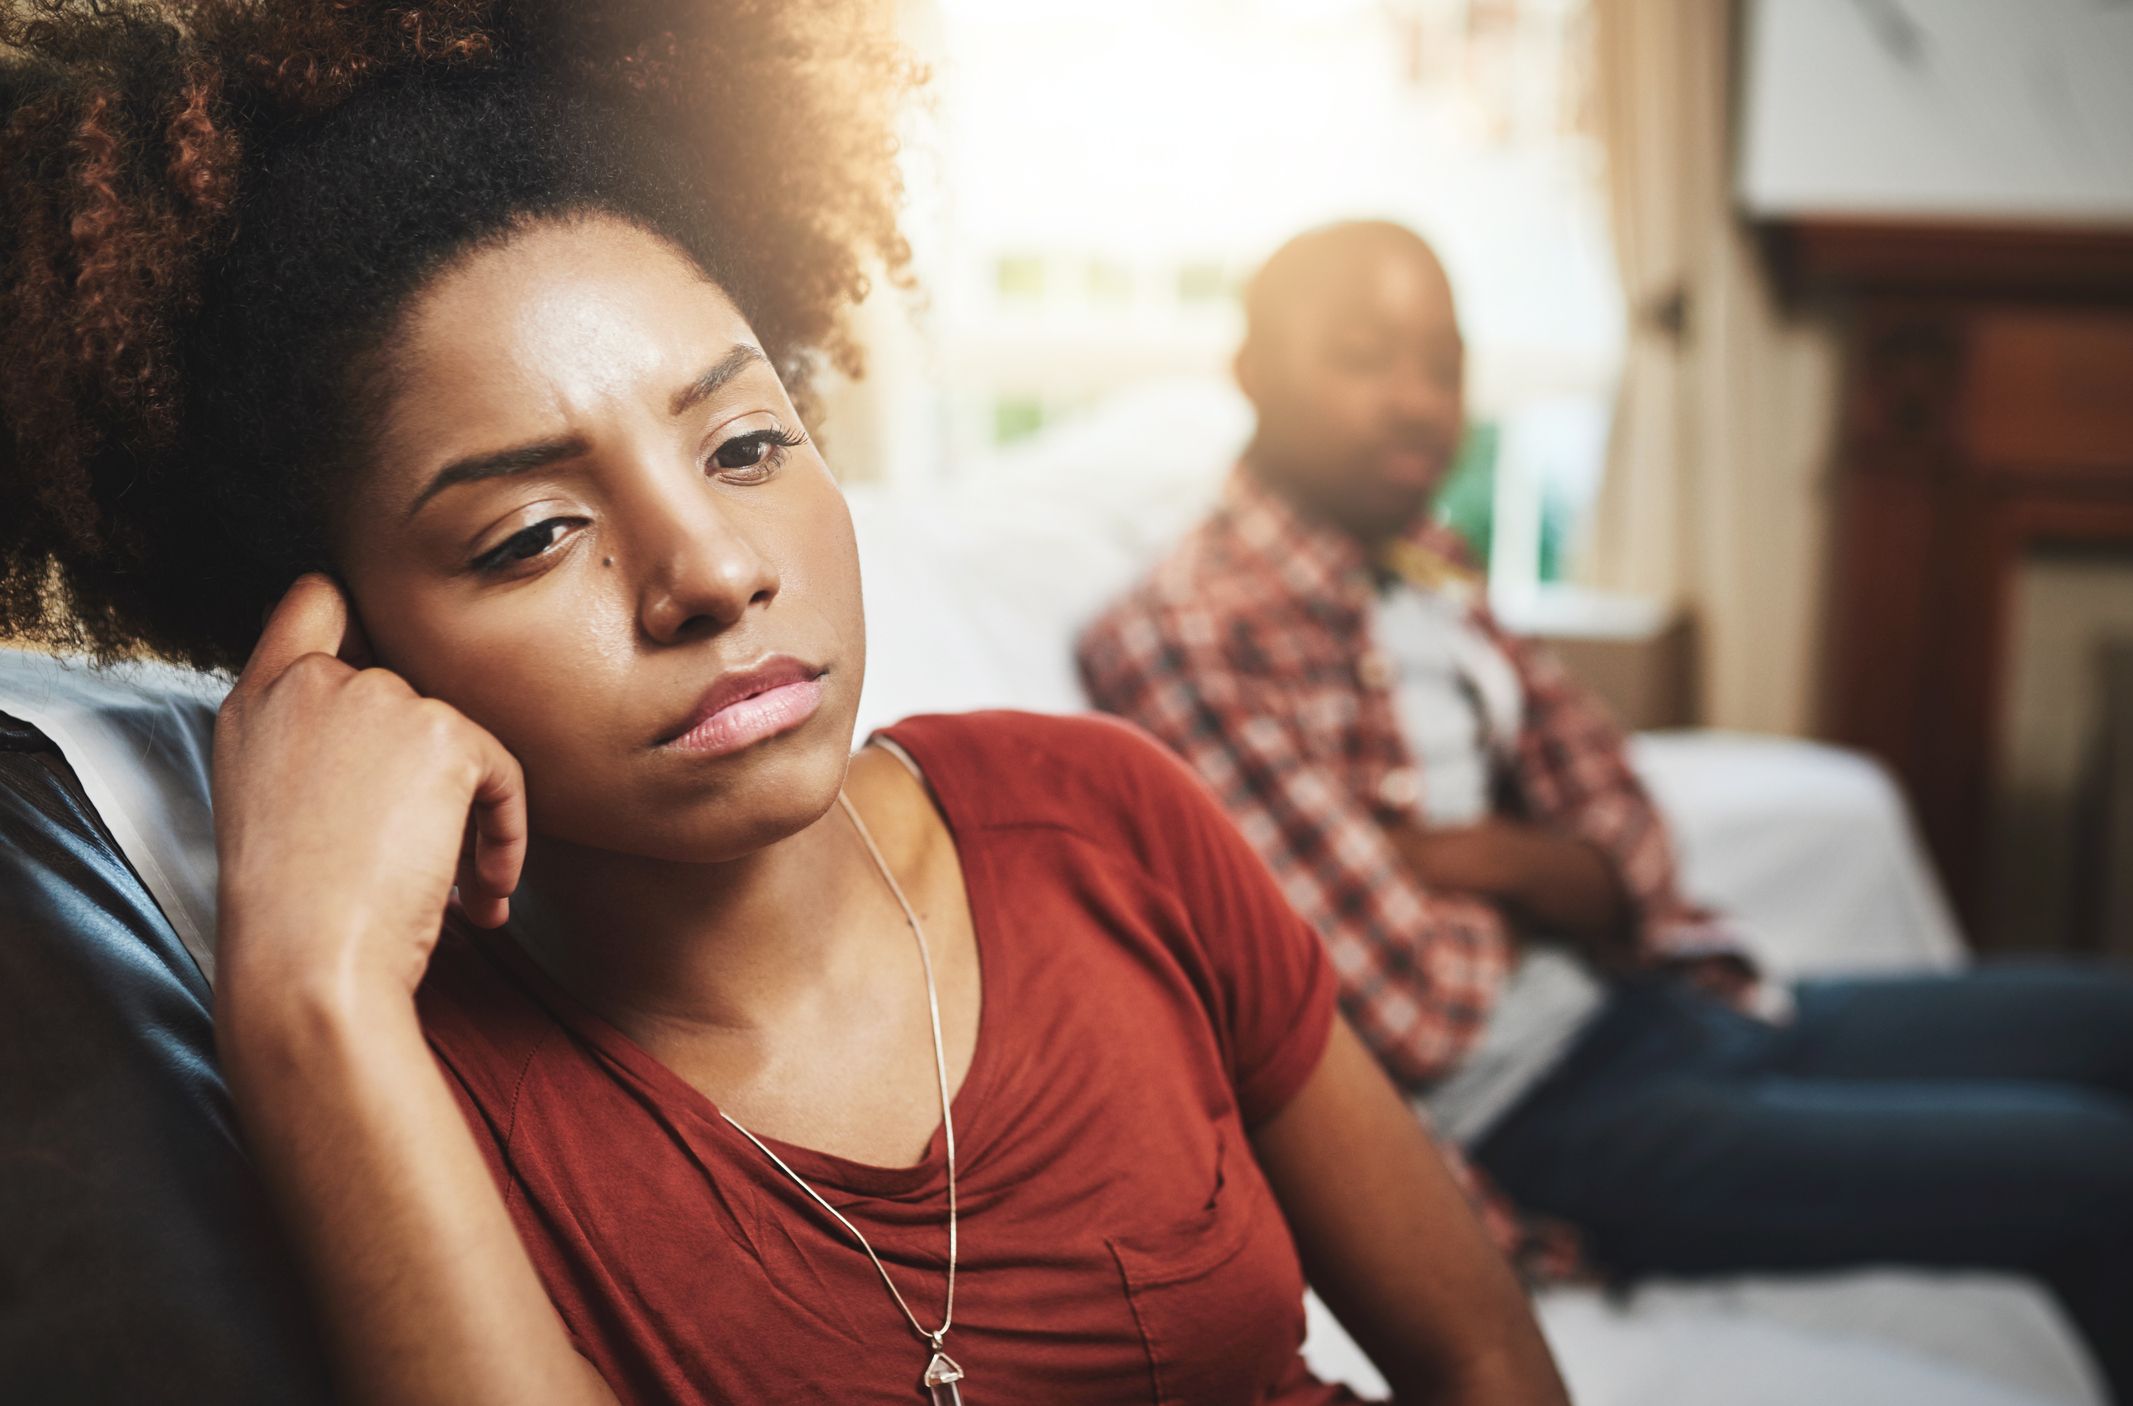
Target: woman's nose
{"points": [[702, 570]]}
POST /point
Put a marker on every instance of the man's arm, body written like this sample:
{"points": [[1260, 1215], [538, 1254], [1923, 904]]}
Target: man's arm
{"points": [[1553, 882], [1572, 774], [1419, 968]]}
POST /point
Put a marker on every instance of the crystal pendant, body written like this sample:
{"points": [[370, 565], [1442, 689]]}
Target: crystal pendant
{"points": [[941, 1377]]}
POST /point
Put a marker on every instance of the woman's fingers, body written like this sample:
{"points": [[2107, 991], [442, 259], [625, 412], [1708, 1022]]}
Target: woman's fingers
{"points": [[312, 618], [312, 638], [499, 817]]}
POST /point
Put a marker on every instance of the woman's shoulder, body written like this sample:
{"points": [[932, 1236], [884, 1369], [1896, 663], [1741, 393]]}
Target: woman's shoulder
{"points": [[478, 1016], [1133, 808], [1036, 737], [1083, 771]]}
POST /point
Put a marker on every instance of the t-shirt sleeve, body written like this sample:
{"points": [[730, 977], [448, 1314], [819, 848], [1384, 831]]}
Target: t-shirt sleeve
{"points": [[487, 1139], [1273, 989], [482, 1035]]}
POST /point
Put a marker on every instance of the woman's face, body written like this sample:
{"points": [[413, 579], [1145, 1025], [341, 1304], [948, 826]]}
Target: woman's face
{"points": [[595, 527]]}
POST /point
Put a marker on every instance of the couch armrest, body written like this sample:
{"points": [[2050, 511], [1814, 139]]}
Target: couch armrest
{"points": [[1809, 846], [141, 1262]]}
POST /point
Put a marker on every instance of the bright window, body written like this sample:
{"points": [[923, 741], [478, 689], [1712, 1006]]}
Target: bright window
{"points": [[1097, 177]]}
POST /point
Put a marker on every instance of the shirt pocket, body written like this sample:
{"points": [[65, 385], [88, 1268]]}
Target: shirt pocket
{"points": [[1218, 1296]]}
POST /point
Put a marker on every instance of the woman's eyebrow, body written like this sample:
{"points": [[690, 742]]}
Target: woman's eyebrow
{"points": [[725, 369], [521, 458], [516, 460]]}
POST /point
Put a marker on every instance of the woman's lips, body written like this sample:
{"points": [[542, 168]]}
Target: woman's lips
{"points": [[749, 720]]}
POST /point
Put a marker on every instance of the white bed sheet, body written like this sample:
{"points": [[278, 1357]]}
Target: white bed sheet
{"points": [[1840, 1340]]}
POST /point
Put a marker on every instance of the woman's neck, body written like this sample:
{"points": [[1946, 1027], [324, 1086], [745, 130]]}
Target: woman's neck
{"points": [[728, 946]]}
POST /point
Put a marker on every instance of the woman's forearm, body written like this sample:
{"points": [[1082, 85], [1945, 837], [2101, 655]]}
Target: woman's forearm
{"points": [[1493, 1378], [424, 1289], [1392, 1247], [343, 800]]}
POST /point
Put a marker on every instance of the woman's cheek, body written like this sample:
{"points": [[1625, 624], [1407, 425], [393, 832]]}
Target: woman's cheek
{"points": [[544, 676]]}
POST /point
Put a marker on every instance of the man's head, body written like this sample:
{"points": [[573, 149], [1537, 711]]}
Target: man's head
{"points": [[1352, 358]]}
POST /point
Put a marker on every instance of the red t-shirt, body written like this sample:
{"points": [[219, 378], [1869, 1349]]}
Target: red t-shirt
{"points": [[1148, 997]]}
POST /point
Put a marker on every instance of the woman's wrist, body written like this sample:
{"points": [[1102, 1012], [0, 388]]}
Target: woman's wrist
{"points": [[273, 1019]]}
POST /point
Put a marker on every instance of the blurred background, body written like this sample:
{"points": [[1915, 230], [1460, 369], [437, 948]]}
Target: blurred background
{"points": [[1800, 343], [1800, 390]]}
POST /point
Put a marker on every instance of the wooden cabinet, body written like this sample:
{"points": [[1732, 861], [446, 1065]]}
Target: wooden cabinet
{"points": [[1988, 413]]}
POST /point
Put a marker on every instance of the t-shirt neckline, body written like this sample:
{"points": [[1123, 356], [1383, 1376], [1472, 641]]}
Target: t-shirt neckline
{"points": [[926, 1177]]}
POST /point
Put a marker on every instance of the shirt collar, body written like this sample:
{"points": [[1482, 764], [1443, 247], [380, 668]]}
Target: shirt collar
{"points": [[1318, 562], [1314, 560]]}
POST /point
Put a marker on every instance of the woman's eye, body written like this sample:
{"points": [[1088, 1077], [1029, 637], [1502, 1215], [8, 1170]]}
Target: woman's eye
{"points": [[523, 545], [746, 458]]}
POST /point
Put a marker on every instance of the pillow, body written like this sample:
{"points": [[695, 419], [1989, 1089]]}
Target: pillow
{"points": [[141, 1262], [976, 588], [139, 738]]}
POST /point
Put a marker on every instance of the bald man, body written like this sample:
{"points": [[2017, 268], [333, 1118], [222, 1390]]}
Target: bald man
{"points": [[1460, 822]]}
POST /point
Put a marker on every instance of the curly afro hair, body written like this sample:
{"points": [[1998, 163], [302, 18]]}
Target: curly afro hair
{"points": [[212, 213]]}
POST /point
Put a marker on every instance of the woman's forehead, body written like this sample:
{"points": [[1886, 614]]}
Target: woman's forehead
{"points": [[592, 297], [559, 322]]}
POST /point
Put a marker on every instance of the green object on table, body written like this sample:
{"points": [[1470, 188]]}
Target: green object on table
{"points": [[1467, 501]]}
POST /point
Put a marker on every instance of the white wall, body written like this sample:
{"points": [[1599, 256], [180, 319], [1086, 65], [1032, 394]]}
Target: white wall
{"points": [[2003, 110]]}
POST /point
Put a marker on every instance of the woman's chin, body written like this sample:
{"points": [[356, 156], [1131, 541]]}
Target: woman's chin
{"points": [[759, 799]]}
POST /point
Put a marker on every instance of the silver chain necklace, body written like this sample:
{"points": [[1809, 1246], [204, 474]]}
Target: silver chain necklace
{"points": [[942, 1374]]}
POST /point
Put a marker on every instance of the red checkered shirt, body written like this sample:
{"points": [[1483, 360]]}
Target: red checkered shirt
{"points": [[1249, 651]]}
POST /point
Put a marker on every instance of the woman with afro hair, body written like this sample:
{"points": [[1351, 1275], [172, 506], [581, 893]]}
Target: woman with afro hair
{"points": [[441, 371]]}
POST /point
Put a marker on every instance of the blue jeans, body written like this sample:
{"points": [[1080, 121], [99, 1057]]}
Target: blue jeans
{"points": [[1978, 1120]]}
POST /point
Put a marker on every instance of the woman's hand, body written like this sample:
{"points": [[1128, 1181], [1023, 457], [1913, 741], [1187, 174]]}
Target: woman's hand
{"points": [[342, 805]]}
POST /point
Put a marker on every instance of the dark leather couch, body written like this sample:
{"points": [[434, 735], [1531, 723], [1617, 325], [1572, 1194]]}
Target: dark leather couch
{"points": [[138, 1259]]}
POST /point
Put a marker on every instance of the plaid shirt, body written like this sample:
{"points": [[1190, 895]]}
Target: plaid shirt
{"points": [[1249, 651]]}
